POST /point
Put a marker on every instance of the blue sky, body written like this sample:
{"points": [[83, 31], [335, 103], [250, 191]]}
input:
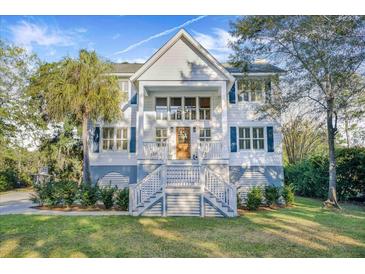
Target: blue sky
{"points": [[117, 38]]}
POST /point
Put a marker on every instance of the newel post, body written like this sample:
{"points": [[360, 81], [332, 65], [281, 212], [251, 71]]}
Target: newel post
{"points": [[202, 190], [164, 183]]}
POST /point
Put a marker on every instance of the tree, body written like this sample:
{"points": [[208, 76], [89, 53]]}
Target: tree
{"points": [[321, 54], [80, 89], [301, 137]]}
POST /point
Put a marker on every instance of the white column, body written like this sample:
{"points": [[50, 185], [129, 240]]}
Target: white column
{"points": [[225, 135], [140, 122]]}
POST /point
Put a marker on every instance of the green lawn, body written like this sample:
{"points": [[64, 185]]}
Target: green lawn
{"points": [[305, 230]]}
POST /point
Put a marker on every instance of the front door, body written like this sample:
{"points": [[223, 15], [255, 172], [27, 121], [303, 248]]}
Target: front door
{"points": [[182, 143]]}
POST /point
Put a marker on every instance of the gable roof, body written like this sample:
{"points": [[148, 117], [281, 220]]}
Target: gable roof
{"points": [[182, 33]]}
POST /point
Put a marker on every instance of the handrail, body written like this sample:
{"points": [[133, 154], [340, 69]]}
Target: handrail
{"points": [[148, 186], [223, 191], [152, 151]]}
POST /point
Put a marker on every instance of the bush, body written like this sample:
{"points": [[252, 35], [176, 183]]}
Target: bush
{"points": [[122, 198], [106, 196], [254, 198], [310, 176], [68, 192], [288, 194], [8, 180], [88, 194], [272, 194]]}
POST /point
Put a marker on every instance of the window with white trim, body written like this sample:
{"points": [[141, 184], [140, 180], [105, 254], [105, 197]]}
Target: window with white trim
{"points": [[123, 86], [161, 136], [252, 90], [244, 138], [108, 138], [258, 138], [115, 139], [204, 108], [176, 108], [121, 139], [204, 134], [161, 108], [190, 108]]}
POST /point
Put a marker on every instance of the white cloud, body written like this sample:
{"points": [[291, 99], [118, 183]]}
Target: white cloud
{"points": [[81, 30], [116, 36], [163, 33], [216, 43], [27, 34]]}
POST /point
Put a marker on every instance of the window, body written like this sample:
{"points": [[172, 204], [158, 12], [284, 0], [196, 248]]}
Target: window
{"points": [[176, 108], [258, 138], [244, 138], [122, 139], [161, 136], [123, 86], [204, 108], [161, 108], [204, 135], [190, 108], [252, 90], [108, 138], [115, 139]]}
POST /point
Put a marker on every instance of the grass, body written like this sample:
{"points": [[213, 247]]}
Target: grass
{"points": [[305, 230]]}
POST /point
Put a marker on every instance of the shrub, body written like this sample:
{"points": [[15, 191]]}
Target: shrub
{"points": [[47, 194], [272, 194], [288, 194], [310, 176], [8, 180], [68, 192], [254, 198], [106, 196], [88, 194], [122, 198]]}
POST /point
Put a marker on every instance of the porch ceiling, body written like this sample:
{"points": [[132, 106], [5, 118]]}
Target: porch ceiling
{"points": [[181, 89]]}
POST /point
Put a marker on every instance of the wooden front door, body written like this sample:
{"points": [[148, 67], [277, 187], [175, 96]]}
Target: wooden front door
{"points": [[182, 143]]}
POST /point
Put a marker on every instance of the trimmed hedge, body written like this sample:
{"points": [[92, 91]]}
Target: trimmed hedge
{"points": [[310, 176]]}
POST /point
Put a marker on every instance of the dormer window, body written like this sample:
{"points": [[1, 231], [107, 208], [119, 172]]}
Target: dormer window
{"points": [[252, 90]]}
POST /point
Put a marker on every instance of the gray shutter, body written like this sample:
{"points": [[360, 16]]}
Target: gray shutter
{"points": [[270, 139], [96, 139]]}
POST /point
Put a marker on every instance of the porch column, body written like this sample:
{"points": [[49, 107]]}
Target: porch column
{"points": [[140, 123], [225, 137]]}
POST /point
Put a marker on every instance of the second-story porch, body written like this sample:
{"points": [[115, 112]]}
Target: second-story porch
{"points": [[184, 121]]}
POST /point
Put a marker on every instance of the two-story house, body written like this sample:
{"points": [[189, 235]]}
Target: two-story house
{"points": [[189, 140]]}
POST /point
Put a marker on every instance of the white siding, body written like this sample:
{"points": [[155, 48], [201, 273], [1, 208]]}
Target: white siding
{"points": [[182, 62]]}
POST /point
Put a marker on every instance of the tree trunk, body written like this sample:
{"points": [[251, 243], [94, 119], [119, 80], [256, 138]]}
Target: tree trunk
{"points": [[85, 145], [331, 131], [347, 129]]}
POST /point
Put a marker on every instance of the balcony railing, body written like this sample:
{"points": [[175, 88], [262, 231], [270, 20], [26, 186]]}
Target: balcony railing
{"points": [[212, 150], [155, 151]]}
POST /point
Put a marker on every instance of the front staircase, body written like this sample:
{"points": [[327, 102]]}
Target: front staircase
{"points": [[183, 190]]}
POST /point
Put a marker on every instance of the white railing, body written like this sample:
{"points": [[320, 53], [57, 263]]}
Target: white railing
{"points": [[212, 150], [149, 185], [154, 151], [223, 191], [182, 175]]}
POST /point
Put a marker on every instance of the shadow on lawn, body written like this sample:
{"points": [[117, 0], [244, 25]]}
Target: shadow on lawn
{"points": [[302, 231]]}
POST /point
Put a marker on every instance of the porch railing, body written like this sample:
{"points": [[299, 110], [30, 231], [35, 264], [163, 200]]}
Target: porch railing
{"points": [[155, 151], [182, 175], [212, 150]]}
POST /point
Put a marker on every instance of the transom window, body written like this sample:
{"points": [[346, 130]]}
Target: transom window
{"points": [[190, 108], [161, 108], [204, 108], [161, 136], [204, 135], [251, 138], [115, 139], [252, 90], [176, 108]]}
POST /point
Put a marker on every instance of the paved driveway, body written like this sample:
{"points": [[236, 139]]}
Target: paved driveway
{"points": [[18, 202]]}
